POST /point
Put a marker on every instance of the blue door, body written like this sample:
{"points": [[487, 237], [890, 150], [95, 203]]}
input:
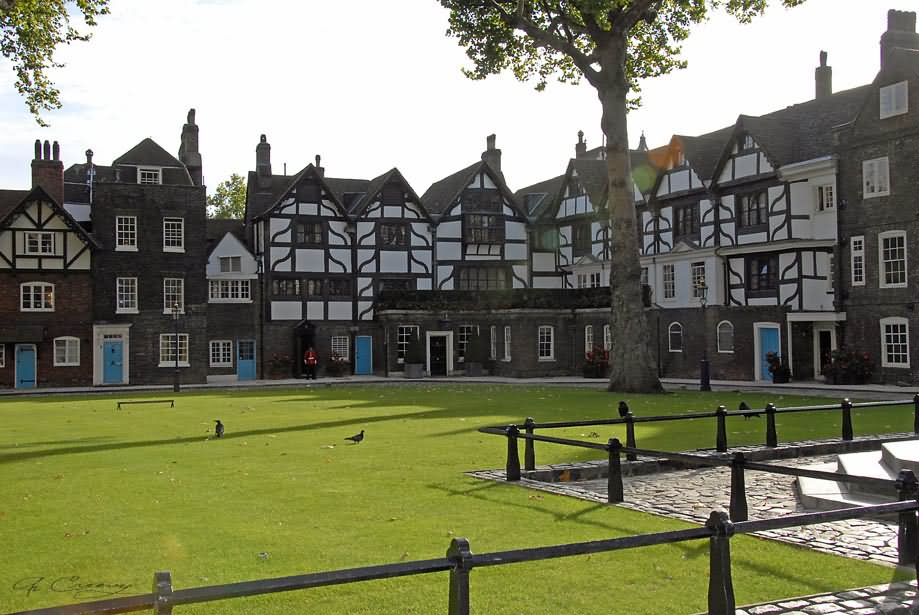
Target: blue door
{"points": [[25, 366], [768, 342], [245, 359], [113, 362], [363, 355]]}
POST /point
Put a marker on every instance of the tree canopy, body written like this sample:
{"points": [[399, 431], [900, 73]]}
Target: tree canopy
{"points": [[612, 44], [229, 199], [30, 31]]}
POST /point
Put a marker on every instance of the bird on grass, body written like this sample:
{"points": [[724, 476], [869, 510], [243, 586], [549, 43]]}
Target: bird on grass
{"points": [[218, 429], [356, 438], [743, 406], [623, 409]]}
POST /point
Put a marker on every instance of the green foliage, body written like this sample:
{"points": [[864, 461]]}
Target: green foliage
{"points": [[594, 39], [229, 199], [30, 31]]}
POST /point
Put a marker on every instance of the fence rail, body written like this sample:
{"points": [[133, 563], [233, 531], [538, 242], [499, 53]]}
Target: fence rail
{"points": [[460, 562]]}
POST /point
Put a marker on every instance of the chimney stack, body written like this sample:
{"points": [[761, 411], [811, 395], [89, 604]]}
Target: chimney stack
{"points": [[188, 149], [319, 168], [491, 155], [580, 148], [642, 143], [901, 33], [263, 163], [48, 170], [823, 79]]}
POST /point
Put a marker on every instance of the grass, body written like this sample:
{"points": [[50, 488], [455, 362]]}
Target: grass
{"points": [[110, 496]]}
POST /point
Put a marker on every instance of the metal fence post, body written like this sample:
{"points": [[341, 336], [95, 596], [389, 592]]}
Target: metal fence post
{"points": [[513, 457], [630, 435], [908, 526], [162, 593], [720, 586], [738, 505], [529, 447], [614, 493], [772, 438], [721, 438], [916, 413], [846, 419], [461, 556]]}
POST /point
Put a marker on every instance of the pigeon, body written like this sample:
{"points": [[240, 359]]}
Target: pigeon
{"points": [[356, 438], [218, 429], [743, 406], [623, 409]]}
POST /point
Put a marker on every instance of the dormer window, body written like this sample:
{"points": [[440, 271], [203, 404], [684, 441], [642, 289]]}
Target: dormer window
{"points": [[894, 99], [149, 176]]}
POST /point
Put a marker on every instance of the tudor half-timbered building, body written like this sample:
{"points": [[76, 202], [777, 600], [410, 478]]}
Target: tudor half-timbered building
{"points": [[46, 306]]}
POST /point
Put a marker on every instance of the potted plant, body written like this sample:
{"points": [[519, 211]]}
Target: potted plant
{"points": [[338, 365], [279, 366], [848, 367], [414, 358], [475, 355], [596, 362], [778, 368]]}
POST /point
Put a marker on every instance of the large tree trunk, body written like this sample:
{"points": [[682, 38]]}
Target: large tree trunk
{"points": [[632, 363]]}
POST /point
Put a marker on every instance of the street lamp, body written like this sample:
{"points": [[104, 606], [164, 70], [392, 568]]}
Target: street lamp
{"points": [[175, 326], [704, 382]]}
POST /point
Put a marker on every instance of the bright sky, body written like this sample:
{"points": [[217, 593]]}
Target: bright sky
{"points": [[370, 85]]}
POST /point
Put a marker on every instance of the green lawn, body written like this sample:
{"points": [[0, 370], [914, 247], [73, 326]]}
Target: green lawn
{"points": [[110, 496]]}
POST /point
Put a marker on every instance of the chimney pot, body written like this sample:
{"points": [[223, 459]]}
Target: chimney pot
{"points": [[47, 172], [318, 160], [46, 150], [823, 78], [263, 162], [580, 148], [56, 151], [37, 149], [492, 155]]}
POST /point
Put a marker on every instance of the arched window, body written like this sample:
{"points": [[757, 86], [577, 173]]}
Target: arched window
{"points": [[725, 336], [588, 338], [675, 335]]}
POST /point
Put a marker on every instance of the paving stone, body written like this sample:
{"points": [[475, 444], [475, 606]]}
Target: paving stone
{"points": [[822, 609], [793, 604]]}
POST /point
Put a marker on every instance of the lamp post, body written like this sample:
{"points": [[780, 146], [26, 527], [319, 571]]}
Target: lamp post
{"points": [[175, 326], [704, 382]]}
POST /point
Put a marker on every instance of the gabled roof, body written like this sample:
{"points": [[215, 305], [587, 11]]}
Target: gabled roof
{"points": [[702, 152], [148, 152], [375, 185], [260, 201], [441, 194], [216, 228], [38, 194], [537, 197], [593, 176], [348, 191], [9, 199]]}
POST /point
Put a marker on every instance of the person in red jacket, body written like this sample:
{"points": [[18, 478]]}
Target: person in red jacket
{"points": [[310, 360]]}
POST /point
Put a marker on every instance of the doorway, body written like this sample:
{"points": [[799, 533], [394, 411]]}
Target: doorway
{"points": [[824, 344], [766, 339], [437, 353], [25, 366]]}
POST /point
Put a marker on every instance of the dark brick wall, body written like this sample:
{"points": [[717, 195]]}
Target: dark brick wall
{"points": [[284, 345], [72, 317], [150, 265], [233, 321]]}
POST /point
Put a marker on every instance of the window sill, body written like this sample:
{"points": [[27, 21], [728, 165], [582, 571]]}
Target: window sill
{"points": [[676, 351], [216, 365], [66, 365], [36, 309], [875, 195], [546, 360], [885, 286], [173, 364], [174, 250], [125, 248], [169, 312], [895, 365], [128, 311], [229, 300]]}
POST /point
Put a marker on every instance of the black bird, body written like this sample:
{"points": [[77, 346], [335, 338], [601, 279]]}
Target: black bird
{"points": [[743, 406], [356, 438], [218, 429], [623, 409]]}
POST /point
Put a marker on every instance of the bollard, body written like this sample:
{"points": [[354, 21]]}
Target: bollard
{"points": [[916, 413], [720, 586], [630, 435], [614, 493], [513, 457], [908, 527], [846, 419], [721, 439], [162, 593], [529, 449], [461, 557], [738, 505], [772, 438]]}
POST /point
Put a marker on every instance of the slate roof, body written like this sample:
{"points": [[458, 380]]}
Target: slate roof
{"points": [[441, 194], [703, 151], [376, 184], [260, 200], [9, 204], [148, 152], [537, 197], [215, 229], [9, 199]]}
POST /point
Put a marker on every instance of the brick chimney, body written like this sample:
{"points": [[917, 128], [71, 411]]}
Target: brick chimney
{"points": [[319, 168], [263, 163], [901, 33], [188, 149], [580, 148], [491, 155], [823, 79], [48, 170]]}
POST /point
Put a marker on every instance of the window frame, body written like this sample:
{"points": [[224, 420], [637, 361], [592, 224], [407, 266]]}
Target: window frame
{"points": [[857, 260], [683, 216], [669, 284], [156, 171], [506, 356], [230, 260], [2, 354], [771, 276], [607, 338], [38, 239], [393, 234], [309, 233], [824, 190], [483, 228], [169, 234], [672, 329], [743, 211], [341, 345], [723, 349], [70, 344], [588, 338], [582, 238], [882, 263], [698, 281], [118, 295], [891, 92], [180, 300], [45, 307], [167, 342], [463, 334], [545, 343], [471, 277], [403, 338], [492, 342], [224, 350], [123, 232], [226, 289], [894, 321], [871, 169]]}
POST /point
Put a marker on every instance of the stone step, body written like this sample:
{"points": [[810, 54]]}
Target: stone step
{"points": [[819, 494], [868, 463], [901, 456]]}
